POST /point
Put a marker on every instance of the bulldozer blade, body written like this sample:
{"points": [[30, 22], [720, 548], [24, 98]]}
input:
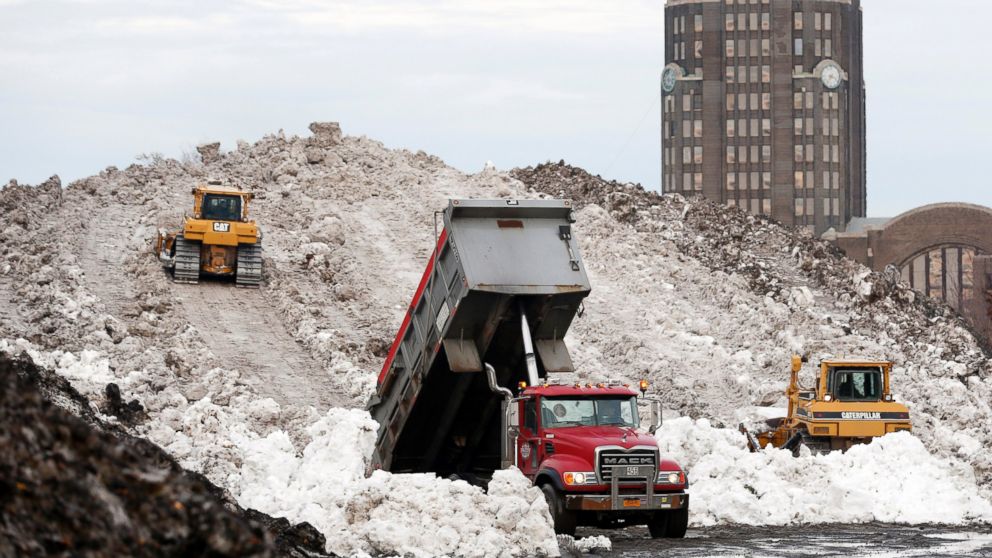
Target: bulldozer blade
{"points": [[793, 442]]}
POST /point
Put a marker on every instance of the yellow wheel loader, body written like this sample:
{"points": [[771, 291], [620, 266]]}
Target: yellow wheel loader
{"points": [[850, 404], [218, 239]]}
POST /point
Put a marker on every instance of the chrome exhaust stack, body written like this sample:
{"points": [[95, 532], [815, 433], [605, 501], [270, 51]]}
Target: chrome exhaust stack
{"points": [[532, 377]]}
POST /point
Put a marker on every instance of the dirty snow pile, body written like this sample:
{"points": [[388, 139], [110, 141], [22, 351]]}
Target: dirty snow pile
{"points": [[417, 515], [894, 479], [707, 302]]}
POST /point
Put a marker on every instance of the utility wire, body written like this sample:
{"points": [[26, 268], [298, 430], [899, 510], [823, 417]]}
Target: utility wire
{"points": [[655, 100]]}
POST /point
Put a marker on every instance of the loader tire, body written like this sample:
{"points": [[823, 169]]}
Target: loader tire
{"points": [[187, 267], [564, 520], [249, 272]]}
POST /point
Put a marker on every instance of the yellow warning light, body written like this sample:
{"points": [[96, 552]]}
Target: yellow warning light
{"points": [[644, 386], [589, 386], [601, 386], [578, 385], [521, 385]]}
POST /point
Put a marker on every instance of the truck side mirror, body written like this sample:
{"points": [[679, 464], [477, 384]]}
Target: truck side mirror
{"points": [[655, 416], [513, 416]]}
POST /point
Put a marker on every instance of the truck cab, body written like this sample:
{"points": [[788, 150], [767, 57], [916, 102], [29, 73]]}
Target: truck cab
{"points": [[582, 445]]}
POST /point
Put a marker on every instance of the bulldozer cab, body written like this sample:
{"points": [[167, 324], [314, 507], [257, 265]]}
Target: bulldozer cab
{"points": [[219, 203]]}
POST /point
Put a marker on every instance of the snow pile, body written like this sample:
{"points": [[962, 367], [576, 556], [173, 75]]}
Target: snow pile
{"points": [[418, 515], [708, 303], [894, 479], [570, 546]]}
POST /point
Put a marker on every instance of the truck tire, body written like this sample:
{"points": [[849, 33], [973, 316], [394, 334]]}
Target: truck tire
{"points": [[669, 524], [564, 520]]}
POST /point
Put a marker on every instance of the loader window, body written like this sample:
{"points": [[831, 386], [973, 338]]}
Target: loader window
{"points": [[221, 208], [857, 384], [562, 412]]}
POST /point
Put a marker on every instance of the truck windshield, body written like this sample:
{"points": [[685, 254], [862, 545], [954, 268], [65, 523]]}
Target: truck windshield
{"points": [[857, 384], [562, 412], [221, 208]]}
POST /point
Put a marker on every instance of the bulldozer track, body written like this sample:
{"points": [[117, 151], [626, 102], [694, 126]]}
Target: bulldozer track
{"points": [[249, 272], [187, 268], [244, 332]]}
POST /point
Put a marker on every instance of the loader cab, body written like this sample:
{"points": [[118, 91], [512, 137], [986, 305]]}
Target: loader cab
{"points": [[861, 382]]}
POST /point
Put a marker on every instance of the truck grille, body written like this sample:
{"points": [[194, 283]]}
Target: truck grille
{"points": [[612, 458]]}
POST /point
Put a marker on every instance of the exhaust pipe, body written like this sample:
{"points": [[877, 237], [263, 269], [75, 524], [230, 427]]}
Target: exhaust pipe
{"points": [[532, 378], [508, 431], [495, 387]]}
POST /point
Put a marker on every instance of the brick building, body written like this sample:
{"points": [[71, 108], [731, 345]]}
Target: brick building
{"points": [[763, 107]]}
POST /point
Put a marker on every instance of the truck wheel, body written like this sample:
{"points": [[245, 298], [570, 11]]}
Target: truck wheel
{"points": [[678, 523], [669, 524], [564, 520]]}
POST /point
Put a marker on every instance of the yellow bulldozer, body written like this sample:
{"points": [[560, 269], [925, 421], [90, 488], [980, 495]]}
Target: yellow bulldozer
{"points": [[850, 404], [218, 239]]}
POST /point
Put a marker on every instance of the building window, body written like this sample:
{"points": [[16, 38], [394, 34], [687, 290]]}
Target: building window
{"points": [[800, 207], [766, 127], [766, 181], [697, 155], [799, 126], [797, 101], [809, 101], [798, 46], [797, 21], [742, 153], [742, 181], [836, 158], [818, 21], [729, 23], [754, 153], [766, 101], [754, 101], [754, 21], [809, 126], [798, 175], [766, 206], [697, 128], [828, 21], [742, 101], [741, 22], [731, 154], [798, 155], [765, 21], [697, 181], [730, 48], [730, 74], [687, 128], [754, 127], [698, 23], [818, 48], [686, 155], [687, 101], [766, 74], [809, 153], [766, 47], [828, 48], [687, 181], [730, 129], [730, 102], [766, 154], [731, 180], [836, 180]]}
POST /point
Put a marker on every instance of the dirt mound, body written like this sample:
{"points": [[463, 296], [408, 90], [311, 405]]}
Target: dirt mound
{"points": [[75, 486]]}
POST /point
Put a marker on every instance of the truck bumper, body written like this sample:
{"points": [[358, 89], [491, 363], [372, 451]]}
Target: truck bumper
{"points": [[626, 502]]}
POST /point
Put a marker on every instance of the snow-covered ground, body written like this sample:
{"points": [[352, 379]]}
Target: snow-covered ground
{"points": [[705, 302]]}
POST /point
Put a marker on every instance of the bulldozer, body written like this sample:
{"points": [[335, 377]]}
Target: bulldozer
{"points": [[850, 404], [218, 239]]}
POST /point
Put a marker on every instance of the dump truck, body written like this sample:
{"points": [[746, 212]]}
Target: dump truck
{"points": [[851, 403], [218, 239], [468, 386]]}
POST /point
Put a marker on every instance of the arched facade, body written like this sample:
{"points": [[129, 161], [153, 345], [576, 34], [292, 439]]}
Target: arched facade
{"points": [[943, 250]]}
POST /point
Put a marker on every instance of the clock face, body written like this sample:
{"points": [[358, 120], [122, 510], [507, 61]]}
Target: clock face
{"points": [[831, 76], [668, 80]]}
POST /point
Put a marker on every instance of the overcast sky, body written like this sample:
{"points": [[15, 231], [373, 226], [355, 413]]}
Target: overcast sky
{"points": [[89, 83]]}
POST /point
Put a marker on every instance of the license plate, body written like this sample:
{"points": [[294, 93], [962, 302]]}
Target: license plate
{"points": [[631, 503]]}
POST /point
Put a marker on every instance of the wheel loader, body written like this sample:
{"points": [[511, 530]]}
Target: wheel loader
{"points": [[850, 404], [218, 239]]}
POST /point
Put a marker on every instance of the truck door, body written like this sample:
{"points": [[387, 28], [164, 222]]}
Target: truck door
{"points": [[529, 443]]}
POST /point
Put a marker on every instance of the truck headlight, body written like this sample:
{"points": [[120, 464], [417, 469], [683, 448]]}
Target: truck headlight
{"points": [[579, 478], [670, 477]]}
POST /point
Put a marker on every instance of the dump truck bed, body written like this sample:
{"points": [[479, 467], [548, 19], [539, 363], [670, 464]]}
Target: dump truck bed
{"points": [[493, 259]]}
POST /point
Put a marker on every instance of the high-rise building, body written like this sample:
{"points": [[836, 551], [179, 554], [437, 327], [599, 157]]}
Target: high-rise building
{"points": [[763, 107]]}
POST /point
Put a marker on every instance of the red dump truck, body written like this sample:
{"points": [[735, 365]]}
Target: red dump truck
{"points": [[468, 385]]}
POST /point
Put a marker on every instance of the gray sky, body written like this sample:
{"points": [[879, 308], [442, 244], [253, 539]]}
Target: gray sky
{"points": [[90, 83]]}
